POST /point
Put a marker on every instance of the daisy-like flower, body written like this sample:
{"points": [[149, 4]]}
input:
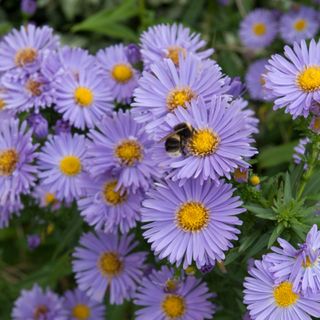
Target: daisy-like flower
{"points": [[268, 300], [61, 162], [38, 304], [191, 223], [169, 42], [121, 144], [83, 99], [166, 87], [258, 29], [161, 296], [78, 306], [46, 198], [219, 143], [121, 75], [106, 262], [300, 150], [5, 113], [24, 49], [297, 25], [294, 81], [108, 208], [301, 266], [17, 154], [255, 79]]}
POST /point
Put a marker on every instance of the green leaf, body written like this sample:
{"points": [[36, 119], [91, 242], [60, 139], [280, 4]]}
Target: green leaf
{"points": [[260, 212], [287, 188], [275, 234], [313, 185], [194, 10], [248, 240]]}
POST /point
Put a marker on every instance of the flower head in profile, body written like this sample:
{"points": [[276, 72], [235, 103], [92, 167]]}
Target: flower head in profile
{"points": [[165, 41], [61, 162], [45, 198], [38, 304], [258, 29], [192, 223], [105, 262], [106, 207], [299, 24], [122, 145], [122, 77], [266, 299], [161, 296], [78, 306], [294, 80], [300, 151]]}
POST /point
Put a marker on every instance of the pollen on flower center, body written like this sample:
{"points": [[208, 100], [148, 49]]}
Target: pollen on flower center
{"points": [[25, 56], [192, 216], [309, 79], [40, 312], [111, 195], [300, 25], [122, 72], [174, 52], [259, 29], [34, 87], [307, 263], [173, 306], [129, 152], [81, 312], [70, 165], [203, 142], [284, 295], [49, 198], [2, 104], [179, 97], [8, 162], [110, 264], [83, 96]]}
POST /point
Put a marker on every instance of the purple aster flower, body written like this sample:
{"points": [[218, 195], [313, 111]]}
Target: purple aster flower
{"points": [[297, 25], [236, 87], [258, 29], [294, 81], [247, 316], [122, 77], [190, 300], [122, 145], [206, 268], [38, 304], [241, 175], [268, 300], [46, 198], [106, 262], [79, 306], [191, 223], [62, 126], [300, 150], [133, 53], [166, 87], [8, 209], [5, 113], [315, 124], [61, 162], [108, 208], [17, 154], [39, 125], [25, 48], [83, 99], [301, 266], [28, 6], [220, 141], [34, 241], [255, 79], [171, 41]]}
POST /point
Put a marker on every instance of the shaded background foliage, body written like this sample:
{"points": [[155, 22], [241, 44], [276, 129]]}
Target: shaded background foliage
{"points": [[94, 24]]}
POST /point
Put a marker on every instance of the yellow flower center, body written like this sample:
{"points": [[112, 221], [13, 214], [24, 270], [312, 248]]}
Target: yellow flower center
{"points": [[255, 180], [2, 104], [192, 216], [49, 198], [110, 264], [129, 152], [284, 295], [262, 80], [300, 25], [122, 72], [203, 142], [309, 79], [316, 123], [8, 162], [25, 56], [174, 52], [308, 263], [40, 312], [111, 195], [173, 306], [259, 29], [179, 97], [171, 285], [70, 166], [240, 174], [81, 312], [34, 87], [83, 96]]}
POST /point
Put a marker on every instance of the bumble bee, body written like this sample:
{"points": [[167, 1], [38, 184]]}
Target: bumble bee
{"points": [[176, 142]]}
